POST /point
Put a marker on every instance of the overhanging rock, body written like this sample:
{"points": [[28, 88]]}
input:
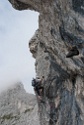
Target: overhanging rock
{"points": [[61, 25]]}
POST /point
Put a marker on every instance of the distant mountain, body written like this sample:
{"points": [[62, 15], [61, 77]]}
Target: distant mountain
{"points": [[18, 107]]}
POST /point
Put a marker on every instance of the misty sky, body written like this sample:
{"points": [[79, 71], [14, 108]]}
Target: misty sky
{"points": [[16, 29]]}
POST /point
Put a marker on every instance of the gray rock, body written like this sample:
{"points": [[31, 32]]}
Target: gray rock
{"points": [[18, 107], [61, 26]]}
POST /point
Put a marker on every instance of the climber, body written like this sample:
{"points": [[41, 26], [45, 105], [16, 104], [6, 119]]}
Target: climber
{"points": [[38, 86], [73, 52]]}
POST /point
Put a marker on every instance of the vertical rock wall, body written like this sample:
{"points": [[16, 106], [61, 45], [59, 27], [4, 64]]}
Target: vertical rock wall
{"points": [[61, 26]]}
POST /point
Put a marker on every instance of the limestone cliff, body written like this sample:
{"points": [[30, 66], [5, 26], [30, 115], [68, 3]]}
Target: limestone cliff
{"points": [[18, 107], [61, 26]]}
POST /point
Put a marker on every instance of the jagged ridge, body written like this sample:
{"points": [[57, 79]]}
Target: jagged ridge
{"points": [[18, 107]]}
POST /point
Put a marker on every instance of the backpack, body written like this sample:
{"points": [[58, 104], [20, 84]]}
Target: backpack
{"points": [[34, 83]]}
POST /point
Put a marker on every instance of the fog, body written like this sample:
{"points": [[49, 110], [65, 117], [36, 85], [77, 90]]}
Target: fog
{"points": [[16, 62]]}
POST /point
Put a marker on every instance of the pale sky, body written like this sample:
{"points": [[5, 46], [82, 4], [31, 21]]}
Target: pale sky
{"points": [[16, 29]]}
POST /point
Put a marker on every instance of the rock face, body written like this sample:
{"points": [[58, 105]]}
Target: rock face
{"points": [[61, 26], [18, 107]]}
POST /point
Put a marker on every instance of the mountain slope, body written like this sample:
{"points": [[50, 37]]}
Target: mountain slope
{"points": [[18, 107]]}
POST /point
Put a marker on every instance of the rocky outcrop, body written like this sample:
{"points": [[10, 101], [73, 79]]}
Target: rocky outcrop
{"points": [[24, 4], [18, 107], [61, 26]]}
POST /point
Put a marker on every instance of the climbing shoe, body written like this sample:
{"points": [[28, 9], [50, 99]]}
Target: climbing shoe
{"points": [[73, 52]]}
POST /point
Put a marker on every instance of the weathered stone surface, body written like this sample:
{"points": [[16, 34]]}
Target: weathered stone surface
{"points": [[61, 25], [18, 107], [24, 4], [78, 6]]}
